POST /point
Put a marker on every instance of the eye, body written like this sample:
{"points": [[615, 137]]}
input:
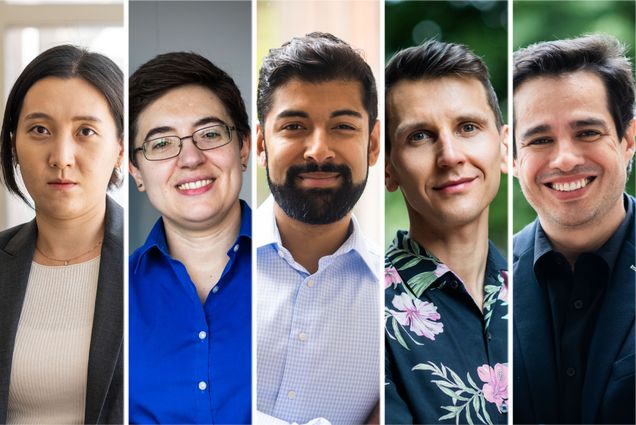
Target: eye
{"points": [[589, 135], [346, 127], [160, 144], [39, 130], [419, 137], [210, 134], [539, 141], [468, 127], [86, 132], [292, 127]]}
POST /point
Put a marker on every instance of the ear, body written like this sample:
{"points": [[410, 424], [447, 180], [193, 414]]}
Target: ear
{"points": [[245, 150], [120, 155], [504, 148], [630, 134], [260, 146], [374, 143], [134, 172], [390, 176]]}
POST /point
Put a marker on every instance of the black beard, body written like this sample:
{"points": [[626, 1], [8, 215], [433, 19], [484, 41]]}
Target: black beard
{"points": [[319, 205]]}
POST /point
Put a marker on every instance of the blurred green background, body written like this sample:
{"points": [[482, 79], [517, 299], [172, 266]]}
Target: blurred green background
{"points": [[480, 25], [535, 21]]}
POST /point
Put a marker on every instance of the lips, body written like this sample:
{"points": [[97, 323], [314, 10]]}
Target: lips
{"points": [[62, 183], [454, 184], [318, 176]]}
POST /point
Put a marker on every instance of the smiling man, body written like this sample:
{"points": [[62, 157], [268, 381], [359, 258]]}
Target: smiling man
{"points": [[574, 265], [317, 312], [445, 284], [190, 283]]}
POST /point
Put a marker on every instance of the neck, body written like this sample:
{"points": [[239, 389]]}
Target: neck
{"points": [[77, 238], [572, 241], [463, 248], [325, 238]]}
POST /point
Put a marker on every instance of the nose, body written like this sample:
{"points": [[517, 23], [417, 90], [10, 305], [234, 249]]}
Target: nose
{"points": [[62, 154], [317, 147], [190, 156], [566, 156], [450, 153]]}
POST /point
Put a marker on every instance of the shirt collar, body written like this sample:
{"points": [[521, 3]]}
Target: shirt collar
{"points": [[157, 237], [267, 233], [608, 252], [496, 265]]}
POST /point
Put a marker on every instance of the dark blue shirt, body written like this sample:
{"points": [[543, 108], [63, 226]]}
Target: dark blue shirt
{"points": [[446, 360], [190, 363]]}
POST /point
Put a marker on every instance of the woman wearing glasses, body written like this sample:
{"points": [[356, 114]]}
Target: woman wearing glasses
{"points": [[61, 315], [190, 283]]}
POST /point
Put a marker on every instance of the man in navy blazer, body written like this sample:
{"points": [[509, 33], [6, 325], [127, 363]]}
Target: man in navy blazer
{"points": [[574, 273]]}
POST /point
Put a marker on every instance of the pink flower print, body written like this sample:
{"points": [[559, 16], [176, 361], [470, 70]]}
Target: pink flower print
{"points": [[441, 269], [391, 277], [495, 388], [503, 292], [420, 316]]}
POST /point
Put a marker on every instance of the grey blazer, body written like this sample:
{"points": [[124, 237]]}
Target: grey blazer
{"points": [[104, 392]]}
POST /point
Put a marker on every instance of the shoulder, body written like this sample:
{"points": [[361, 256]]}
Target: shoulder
{"points": [[524, 240], [18, 237]]}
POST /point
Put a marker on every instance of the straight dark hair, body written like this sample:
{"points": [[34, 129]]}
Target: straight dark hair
{"points": [[600, 54], [436, 59], [315, 58], [172, 70], [65, 62]]}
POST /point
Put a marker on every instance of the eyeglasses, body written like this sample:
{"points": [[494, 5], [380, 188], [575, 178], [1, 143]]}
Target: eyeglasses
{"points": [[204, 139]]}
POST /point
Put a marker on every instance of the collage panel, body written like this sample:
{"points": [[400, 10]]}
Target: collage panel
{"points": [[318, 225], [61, 219], [573, 251], [446, 156], [190, 218]]}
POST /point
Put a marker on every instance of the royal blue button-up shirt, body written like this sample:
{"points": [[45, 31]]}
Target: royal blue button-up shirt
{"points": [[189, 362]]}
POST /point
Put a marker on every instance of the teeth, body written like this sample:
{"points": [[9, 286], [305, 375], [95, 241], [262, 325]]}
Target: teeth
{"points": [[568, 187], [194, 185]]}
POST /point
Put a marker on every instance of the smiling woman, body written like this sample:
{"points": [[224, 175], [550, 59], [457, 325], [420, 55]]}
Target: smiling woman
{"points": [[61, 307]]}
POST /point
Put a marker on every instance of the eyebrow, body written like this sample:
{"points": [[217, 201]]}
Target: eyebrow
{"points": [[346, 112], [42, 115], [588, 122], [297, 113], [543, 128], [166, 129]]}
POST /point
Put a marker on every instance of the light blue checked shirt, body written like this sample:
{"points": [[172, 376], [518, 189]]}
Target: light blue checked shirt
{"points": [[318, 334]]}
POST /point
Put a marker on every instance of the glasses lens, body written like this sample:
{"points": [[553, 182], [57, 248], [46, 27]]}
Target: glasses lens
{"points": [[212, 137], [162, 148]]}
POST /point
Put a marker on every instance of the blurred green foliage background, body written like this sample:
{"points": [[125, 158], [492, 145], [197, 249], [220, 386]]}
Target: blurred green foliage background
{"points": [[480, 25], [535, 21]]}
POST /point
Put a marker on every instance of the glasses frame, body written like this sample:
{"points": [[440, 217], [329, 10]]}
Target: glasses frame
{"points": [[142, 148]]}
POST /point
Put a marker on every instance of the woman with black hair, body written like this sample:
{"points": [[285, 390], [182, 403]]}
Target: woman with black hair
{"points": [[61, 277]]}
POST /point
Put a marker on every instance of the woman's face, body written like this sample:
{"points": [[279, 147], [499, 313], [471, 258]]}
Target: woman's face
{"points": [[67, 145]]}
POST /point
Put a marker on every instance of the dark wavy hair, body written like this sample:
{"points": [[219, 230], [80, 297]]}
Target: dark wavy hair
{"points": [[65, 62]]}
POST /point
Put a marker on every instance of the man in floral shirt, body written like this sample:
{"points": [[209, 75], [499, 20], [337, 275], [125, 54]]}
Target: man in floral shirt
{"points": [[446, 285]]}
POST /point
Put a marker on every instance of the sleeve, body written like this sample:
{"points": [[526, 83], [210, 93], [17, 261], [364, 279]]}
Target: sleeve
{"points": [[396, 410]]}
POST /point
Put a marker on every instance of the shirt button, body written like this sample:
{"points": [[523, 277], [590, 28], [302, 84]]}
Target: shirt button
{"points": [[454, 284], [578, 304], [302, 336], [236, 247], [291, 394], [202, 385], [570, 372], [215, 289], [281, 254], [202, 335], [489, 336], [311, 283]]}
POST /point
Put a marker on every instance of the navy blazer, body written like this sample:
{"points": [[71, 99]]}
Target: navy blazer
{"points": [[608, 390], [104, 392]]}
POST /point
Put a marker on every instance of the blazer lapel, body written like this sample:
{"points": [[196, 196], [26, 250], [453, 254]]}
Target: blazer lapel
{"points": [[532, 322], [15, 264], [614, 322], [107, 335]]}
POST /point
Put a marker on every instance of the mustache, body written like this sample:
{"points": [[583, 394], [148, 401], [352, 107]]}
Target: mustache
{"points": [[295, 171], [579, 169]]}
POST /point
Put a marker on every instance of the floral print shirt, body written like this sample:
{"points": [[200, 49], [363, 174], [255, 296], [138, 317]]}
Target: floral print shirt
{"points": [[446, 361]]}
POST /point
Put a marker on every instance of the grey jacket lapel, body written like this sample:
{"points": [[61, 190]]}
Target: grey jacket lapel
{"points": [[16, 255], [104, 395]]}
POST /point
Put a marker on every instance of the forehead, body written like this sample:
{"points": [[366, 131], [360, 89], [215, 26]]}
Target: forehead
{"points": [[437, 98], [182, 106], [550, 100], [317, 99], [64, 97]]}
